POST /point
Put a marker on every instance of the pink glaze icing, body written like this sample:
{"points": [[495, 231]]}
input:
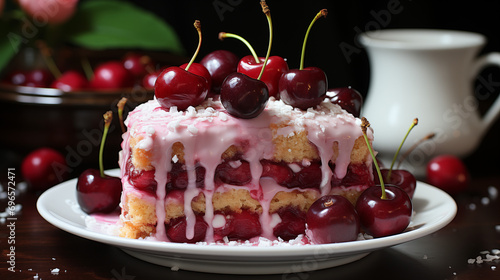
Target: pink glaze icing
{"points": [[208, 130]]}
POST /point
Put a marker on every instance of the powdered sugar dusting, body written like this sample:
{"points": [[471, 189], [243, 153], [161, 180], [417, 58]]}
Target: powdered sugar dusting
{"points": [[108, 224], [261, 242], [485, 256], [55, 271]]}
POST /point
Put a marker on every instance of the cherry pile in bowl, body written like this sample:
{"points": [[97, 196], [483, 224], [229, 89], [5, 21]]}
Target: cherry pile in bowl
{"points": [[132, 69]]}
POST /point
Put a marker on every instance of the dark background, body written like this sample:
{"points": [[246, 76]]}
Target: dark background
{"points": [[345, 20]]}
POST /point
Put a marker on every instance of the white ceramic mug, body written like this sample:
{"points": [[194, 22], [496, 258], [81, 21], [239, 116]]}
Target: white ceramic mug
{"points": [[429, 75]]}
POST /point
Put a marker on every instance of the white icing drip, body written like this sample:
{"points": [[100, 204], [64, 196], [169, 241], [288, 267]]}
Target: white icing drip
{"points": [[191, 192], [124, 155], [122, 162], [145, 144], [294, 167], [218, 221], [209, 215], [275, 220], [326, 153], [270, 189], [207, 131], [235, 163], [162, 167]]}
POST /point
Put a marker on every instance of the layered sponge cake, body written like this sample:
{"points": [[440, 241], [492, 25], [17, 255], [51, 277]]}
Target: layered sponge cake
{"points": [[202, 175]]}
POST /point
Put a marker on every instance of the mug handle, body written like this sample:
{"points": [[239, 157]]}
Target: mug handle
{"points": [[490, 59]]}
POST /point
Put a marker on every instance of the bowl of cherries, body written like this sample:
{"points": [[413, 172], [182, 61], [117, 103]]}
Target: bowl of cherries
{"points": [[81, 77], [60, 106]]}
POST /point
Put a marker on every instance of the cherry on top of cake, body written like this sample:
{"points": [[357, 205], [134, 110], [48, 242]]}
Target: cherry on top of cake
{"points": [[245, 97], [211, 110]]}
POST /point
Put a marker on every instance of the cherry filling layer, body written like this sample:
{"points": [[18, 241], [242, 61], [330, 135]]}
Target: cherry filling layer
{"points": [[236, 226], [176, 230], [293, 223], [143, 180], [245, 225], [237, 172]]}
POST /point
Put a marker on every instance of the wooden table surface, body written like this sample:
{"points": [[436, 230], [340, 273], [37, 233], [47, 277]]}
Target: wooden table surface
{"points": [[42, 249]]}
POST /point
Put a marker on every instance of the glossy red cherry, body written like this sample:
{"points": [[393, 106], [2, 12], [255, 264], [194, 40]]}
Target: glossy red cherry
{"points": [[178, 87], [448, 173], [70, 81], [383, 209], [38, 78], [199, 70], [293, 223], [400, 178], [16, 77], [240, 226], [267, 69], [96, 194], [357, 174], [309, 176], [280, 172], [178, 177], [347, 98], [332, 219], [137, 64], [276, 66], [303, 88], [149, 80], [142, 179], [111, 75], [245, 226], [243, 97], [176, 230], [234, 172], [220, 64], [43, 168], [384, 217]]}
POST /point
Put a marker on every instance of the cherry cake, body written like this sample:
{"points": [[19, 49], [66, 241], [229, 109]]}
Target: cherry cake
{"points": [[202, 175]]}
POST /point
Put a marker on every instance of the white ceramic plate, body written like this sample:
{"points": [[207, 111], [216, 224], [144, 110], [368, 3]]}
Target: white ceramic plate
{"points": [[433, 208]]}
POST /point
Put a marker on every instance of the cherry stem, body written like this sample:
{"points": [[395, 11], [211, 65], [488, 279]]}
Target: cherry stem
{"points": [[328, 203], [121, 105], [267, 12], [87, 68], [146, 61], [223, 35], [197, 25], [47, 57], [321, 13], [364, 126], [408, 152], [108, 117], [413, 124]]}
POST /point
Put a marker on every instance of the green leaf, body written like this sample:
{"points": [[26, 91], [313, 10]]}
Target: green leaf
{"points": [[102, 24], [10, 45]]}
